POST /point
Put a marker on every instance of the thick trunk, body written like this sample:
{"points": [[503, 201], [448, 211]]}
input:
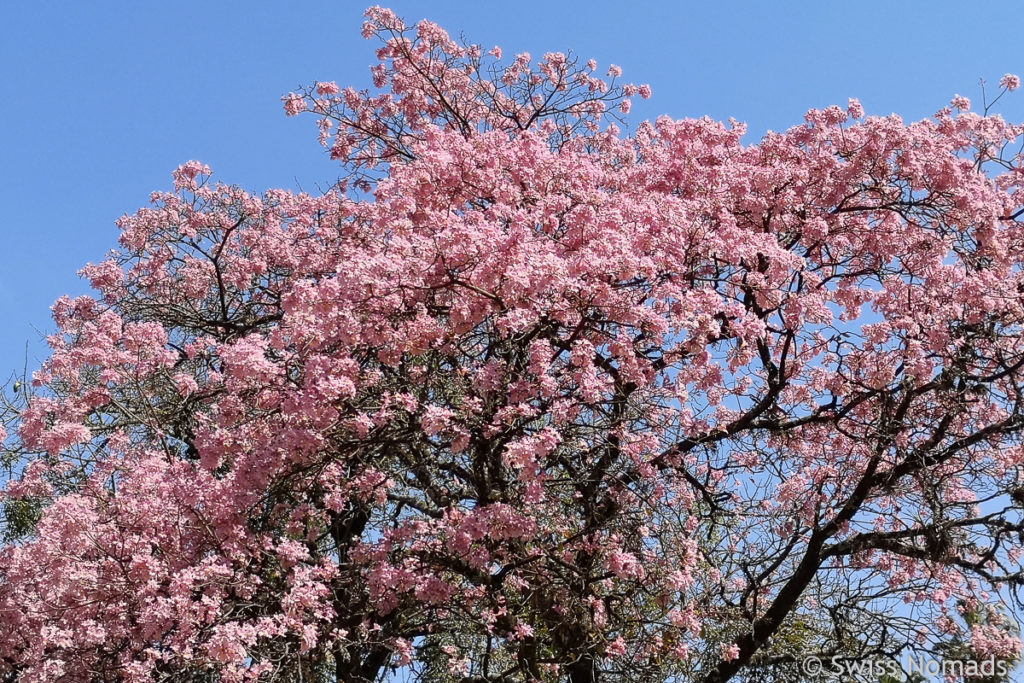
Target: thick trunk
{"points": [[358, 669], [583, 670]]}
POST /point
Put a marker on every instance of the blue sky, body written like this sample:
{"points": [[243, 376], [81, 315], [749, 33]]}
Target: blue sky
{"points": [[104, 99]]}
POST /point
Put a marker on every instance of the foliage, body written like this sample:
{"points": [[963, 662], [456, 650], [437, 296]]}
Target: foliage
{"points": [[525, 397]]}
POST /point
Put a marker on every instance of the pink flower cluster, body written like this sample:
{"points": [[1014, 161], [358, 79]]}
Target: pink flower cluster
{"points": [[532, 383]]}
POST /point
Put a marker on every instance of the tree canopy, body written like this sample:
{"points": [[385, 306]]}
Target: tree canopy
{"points": [[528, 395]]}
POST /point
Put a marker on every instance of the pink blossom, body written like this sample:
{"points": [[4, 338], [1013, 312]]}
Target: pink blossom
{"points": [[625, 565], [616, 648], [854, 109], [522, 631], [327, 88], [186, 174], [294, 104], [435, 419], [524, 375]]}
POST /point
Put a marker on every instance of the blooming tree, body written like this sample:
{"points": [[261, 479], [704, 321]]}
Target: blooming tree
{"points": [[527, 398]]}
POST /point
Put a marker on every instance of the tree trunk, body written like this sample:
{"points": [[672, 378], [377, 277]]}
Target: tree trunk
{"points": [[583, 670]]}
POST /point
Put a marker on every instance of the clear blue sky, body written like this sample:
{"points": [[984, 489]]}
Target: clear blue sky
{"points": [[103, 99]]}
